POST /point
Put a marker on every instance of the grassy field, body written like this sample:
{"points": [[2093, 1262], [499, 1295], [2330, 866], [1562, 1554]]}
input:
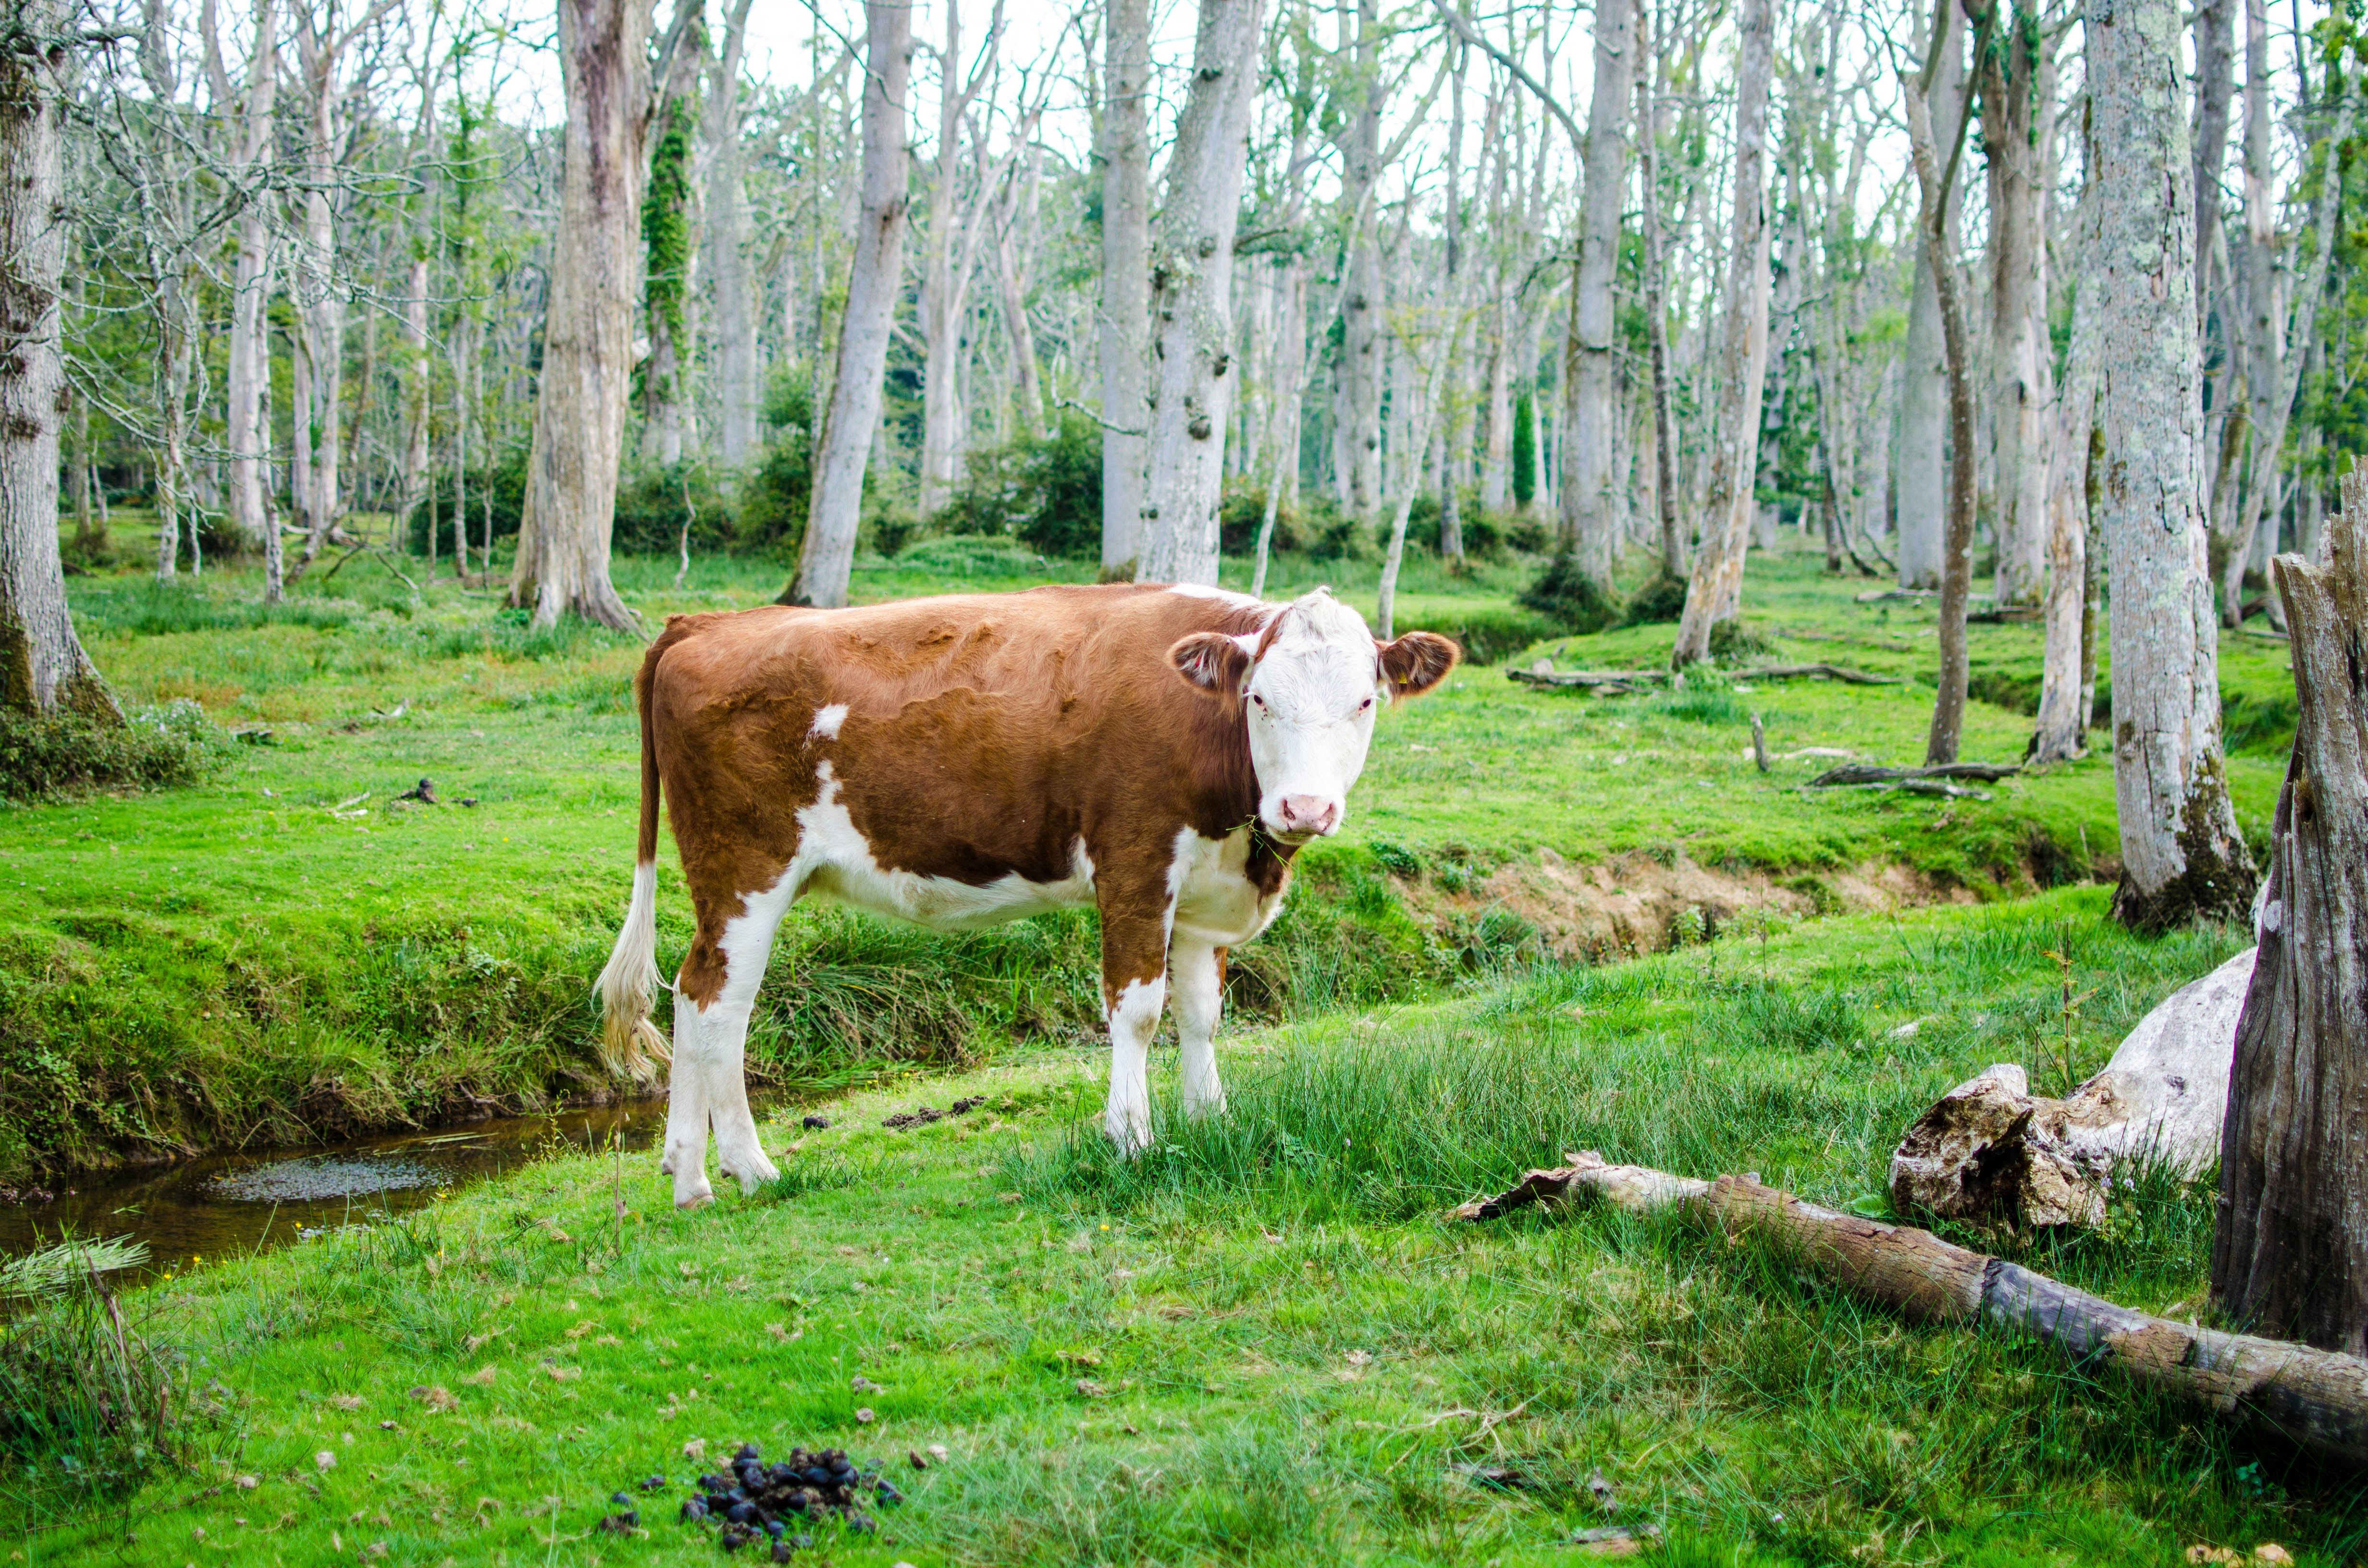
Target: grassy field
{"points": [[1260, 1342], [288, 951]]}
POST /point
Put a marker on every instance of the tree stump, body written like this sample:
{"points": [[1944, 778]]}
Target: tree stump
{"points": [[2291, 1258]]}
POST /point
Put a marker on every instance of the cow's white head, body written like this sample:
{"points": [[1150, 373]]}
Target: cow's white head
{"points": [[1307, 685]]}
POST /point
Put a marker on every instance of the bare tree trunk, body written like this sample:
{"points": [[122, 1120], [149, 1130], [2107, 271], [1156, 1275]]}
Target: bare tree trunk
{"points": [[2216, 77], [1126, 282], [1717, 576], [2062, 732], [1015, 235], [1290, 387], [1656, 315], [2290, 1258], [1921, 456], [873, 283], [1365, 298], [2181, 853], [317, 291], [945, 288], [579, 415], [2279, 352], [1451, 435], [674, 222], [1590, 410], [2018, 397], [43, 666], [249, 348], [1936, 181], [1192, 296], [734, 333]]}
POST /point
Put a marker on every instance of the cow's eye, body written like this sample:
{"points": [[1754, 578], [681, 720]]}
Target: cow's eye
{"points": [[1362, 706], [1256, 698]]}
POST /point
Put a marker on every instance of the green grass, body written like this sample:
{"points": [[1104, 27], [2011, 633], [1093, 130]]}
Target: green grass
{"points": [[283, 951], [1261, 1343]]}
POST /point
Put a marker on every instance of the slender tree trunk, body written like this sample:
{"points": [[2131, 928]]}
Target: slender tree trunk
{"points": [[579, 415], [1016, 234], [1588, 512], [1192, 296], [1365, 300], [874, 284], [1717, 576], [249, 349], [1126, 282], [43, 666], [1934, 178], [1290, 388], [319, 295], [2018, 399], [2216, 79], [733, 329], [1921, 455], [2281, 352], [2181, 856], [673, 228], [2291, 1256], [90, 535], [1656, 315], [2062, 732], [1452, 435]]}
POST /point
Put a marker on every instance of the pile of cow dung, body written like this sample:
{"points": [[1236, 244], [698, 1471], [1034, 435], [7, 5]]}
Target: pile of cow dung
{"points": [[760, 1501], [922, 1115]]}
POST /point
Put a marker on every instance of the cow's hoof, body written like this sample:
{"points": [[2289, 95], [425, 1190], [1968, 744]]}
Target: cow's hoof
{"points": [[1130, 1138], [699, 1197], [754, 1175], [1202, 1109]]}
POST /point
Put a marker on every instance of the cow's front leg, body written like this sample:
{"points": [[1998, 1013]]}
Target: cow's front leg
{"points": [[1197, 969], [1134, 988]]}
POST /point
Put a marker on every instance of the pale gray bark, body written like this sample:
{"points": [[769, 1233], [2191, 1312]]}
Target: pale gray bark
{"points": [[43, 666], [315, 286], [249, 349], [2010, 110], [2064, 698], [2215, 60], [1356, 404], [1921, 455], [1656, 315], [1191, 296], [2281, 350], [579, 415], [1590, 514], [1126, 281], [949, 253], [732, 315], [669, 414], [1015, 232], [1716, 580], [873, 283], [2181, 856], [1290, 381]]}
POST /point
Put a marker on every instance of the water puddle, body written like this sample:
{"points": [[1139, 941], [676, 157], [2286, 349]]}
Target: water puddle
{"points": [[225, 1205]]}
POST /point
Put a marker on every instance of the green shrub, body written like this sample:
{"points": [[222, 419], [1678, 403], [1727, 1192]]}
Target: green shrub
{"points": [[654, 503], [503, 484], [774, 498], [1525, 449], [1659, 600], [1045, 490], [1732, 642], [1568, 598], [1486, 634], [1243, 512], [66, 753]]}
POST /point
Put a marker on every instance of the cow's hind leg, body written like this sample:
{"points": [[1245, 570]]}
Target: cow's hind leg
{"points": [[709, 1086], [1197, 971]]}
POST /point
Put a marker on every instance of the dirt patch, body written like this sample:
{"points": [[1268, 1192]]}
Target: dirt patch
{"points": [[1637, 902]]}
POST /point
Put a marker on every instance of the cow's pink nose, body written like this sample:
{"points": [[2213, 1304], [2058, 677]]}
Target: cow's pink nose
{"points": [[1309, 813]]}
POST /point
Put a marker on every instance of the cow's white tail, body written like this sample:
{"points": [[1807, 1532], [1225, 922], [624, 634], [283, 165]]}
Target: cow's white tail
{"points": [[629, 1042]]}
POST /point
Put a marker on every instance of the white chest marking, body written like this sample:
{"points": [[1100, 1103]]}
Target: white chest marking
{"points": [[1216, 900], [828, 719], [835, 861]]}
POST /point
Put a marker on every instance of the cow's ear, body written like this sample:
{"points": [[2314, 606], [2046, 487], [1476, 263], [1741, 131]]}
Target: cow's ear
{"points": [[1417, 662], [1212, 662]]}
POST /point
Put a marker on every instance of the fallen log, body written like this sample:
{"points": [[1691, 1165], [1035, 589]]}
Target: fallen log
{"points": [[2316, 1397], [1879, 596], [1857, 773], [1609, 683], [1991, 1150], [1842, 673]]}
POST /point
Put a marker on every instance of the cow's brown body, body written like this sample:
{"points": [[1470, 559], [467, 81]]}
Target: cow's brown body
{"points": [[955, 761]]}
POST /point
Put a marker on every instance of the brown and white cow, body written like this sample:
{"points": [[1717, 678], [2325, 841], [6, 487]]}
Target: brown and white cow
{"points": [[1159, 752]]}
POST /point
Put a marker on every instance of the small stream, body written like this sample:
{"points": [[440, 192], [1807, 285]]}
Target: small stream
{"points": [[223, 1205]]}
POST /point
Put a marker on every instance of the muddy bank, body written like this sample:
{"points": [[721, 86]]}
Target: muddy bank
{"points": [[1627, 905]]}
